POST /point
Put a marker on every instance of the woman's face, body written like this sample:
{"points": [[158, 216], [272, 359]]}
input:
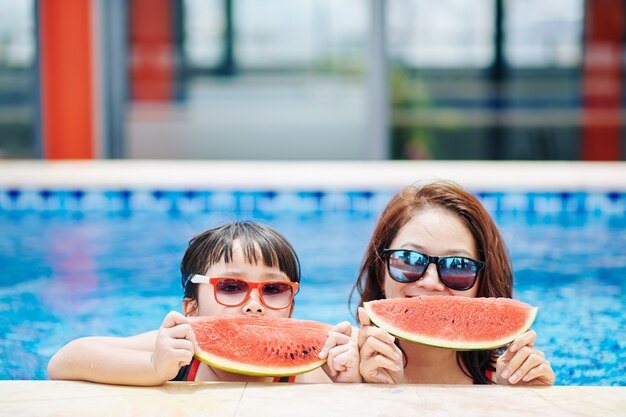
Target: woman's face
{"points": [[207, 305], [433, 231]]}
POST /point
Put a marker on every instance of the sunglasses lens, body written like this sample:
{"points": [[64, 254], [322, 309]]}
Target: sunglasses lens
{"points": [[407, 266], [458, 273], [231, 291], [277, 294]]}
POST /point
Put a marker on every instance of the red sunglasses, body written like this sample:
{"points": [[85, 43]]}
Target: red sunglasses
{"points": [[233, 291]]}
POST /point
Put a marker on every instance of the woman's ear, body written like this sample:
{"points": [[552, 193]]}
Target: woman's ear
{"points": [[190, 307]]}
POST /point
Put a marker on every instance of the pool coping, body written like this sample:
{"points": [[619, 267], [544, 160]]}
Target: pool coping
{"points": [[52, 398], [311, 175]]}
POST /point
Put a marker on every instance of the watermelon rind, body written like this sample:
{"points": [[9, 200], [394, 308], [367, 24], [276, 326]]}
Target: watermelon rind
{"points": [[222, 346], [459, 344], [249, 369]]}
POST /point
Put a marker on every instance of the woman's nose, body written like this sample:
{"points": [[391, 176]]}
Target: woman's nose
{"points": [[430, 280], [253, 305]]}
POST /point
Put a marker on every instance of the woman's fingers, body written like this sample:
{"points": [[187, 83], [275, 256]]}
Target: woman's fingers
{"points": [[363, 317], [525, 365], [540, 375], [527, 338], [380, 369], [375, 332], [524, 360], [375, 347]]}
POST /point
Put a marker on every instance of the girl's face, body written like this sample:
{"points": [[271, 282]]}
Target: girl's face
{"points": [[207, 305], [433, 231]]}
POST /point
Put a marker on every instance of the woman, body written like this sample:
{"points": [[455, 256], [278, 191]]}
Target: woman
{"points": [[425, 230]]}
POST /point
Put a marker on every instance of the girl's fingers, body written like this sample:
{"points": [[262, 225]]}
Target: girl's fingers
{"points": [[173, 319], [334, 339], [182, 344], [344, 328], [343, 357], [182, 356], [181, 331]]}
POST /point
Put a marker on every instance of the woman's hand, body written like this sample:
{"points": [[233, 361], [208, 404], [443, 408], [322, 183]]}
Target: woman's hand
{"points": [[174, 347], [381, 359], [523, 364], [342, 353]]}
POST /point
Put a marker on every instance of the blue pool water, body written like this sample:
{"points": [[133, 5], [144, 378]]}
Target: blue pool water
{"points": [[77, 263]]}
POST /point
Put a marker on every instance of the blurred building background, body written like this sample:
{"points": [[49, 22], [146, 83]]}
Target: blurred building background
{"points": [[313, 79]]}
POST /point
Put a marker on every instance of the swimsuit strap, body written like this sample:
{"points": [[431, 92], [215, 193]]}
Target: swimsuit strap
{"points": [[489, 375], [195, 364], [291, 378]]}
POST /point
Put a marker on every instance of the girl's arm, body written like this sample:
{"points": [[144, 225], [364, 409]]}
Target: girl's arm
{"points": [[523, 364], [147, 359]]}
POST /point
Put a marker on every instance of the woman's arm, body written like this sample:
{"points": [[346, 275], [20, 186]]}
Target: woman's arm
{"points": [[147, 359]]}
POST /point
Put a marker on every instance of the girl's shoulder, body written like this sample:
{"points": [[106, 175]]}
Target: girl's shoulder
{"points": [[316, 376]]}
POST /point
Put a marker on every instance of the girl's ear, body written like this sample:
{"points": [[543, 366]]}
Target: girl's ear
{"points": [[190, 307]]}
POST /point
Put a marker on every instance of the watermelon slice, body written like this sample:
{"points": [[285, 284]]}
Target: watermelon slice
{"points": [[264, 346], [460, 323]]}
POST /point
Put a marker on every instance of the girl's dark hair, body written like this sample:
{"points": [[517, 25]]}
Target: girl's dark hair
{"points": [[496, 279], [259, 244]]}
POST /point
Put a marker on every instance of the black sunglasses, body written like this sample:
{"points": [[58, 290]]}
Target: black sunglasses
{"points": [[456, 272]]}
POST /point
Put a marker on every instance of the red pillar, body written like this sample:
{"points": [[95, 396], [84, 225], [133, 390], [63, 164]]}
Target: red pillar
{"points": [[152, 57], [602, 83], [67, 97]]}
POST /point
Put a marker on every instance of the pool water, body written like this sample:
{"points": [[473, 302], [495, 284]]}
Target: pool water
{"points": [[67, 273]]}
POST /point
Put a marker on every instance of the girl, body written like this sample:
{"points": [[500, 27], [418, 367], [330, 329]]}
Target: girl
{"points": [[254, 258], [439, 220]]}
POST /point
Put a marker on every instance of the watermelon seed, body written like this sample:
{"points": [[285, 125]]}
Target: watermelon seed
{"points": [[292, 355]]}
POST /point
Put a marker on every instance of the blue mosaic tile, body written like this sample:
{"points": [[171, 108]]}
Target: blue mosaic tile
{"points": [[276, 201]]}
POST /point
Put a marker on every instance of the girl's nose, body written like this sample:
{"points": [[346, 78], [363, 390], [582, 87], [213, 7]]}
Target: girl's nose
{"points": [[430, 280], [253, 305]]}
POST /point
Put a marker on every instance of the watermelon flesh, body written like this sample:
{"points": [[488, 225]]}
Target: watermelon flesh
{"points": [[460, 323], [262, 346]]}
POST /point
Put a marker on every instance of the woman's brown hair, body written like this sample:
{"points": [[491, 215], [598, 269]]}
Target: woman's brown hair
{"points": [[496, 279]]}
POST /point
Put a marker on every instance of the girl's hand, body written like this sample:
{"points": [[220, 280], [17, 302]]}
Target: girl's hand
{"points": [[342, 352], [523, 364], [174, 347], [381, 359]]}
